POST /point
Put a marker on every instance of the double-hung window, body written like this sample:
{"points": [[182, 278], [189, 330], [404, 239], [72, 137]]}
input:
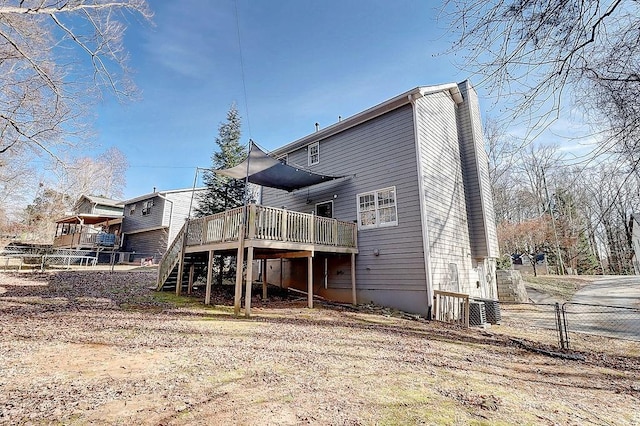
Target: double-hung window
{"points": [[313, 152], [146, 207], [377, 209]]}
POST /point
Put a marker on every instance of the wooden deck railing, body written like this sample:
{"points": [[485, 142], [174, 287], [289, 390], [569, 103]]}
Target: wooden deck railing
{"points": [[270, 223], [451, 307], [85, 239], [263, 223]]}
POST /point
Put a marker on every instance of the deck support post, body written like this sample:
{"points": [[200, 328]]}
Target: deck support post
{"points": [[249, 284], [264, 278], [353, 279], [192, 270], [310, 281], [207, 296], [238, 294], [180, 273], [239, 264]]}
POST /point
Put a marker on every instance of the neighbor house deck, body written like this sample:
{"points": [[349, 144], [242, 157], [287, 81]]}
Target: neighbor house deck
{"points": [[264, 233]]}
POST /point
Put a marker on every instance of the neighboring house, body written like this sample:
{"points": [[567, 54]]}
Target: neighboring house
{"points": [[151, 221], [94, 223], [635, 241], [418, 188]]}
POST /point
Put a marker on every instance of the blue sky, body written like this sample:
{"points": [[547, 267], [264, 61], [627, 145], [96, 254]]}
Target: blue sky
{"points": [[304, 62]]}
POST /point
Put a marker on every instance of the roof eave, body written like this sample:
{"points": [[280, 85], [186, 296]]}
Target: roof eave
{"points": [[369, 114]]}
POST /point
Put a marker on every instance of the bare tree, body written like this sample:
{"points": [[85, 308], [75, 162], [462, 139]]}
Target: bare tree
{"points": [[44, 86], [103, 176], [539, 52]]}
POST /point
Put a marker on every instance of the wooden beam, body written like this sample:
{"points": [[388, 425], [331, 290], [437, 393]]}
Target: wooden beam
{"points": [[192, 270], [249, 280], [353, 279], [310, 282], [207, 296], [284, 255], [180, 272]]}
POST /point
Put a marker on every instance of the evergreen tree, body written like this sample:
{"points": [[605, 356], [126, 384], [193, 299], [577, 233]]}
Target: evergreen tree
{"points": [[224, 193]]}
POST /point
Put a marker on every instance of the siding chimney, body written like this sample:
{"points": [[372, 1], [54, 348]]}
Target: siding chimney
{"points": [[317, 127]]}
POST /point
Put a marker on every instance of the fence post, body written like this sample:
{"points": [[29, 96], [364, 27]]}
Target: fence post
{"points": [[564, 323], [561, 328]]}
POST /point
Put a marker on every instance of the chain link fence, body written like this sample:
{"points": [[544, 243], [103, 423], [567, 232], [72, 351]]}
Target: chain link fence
{"points": [[574, 326]]}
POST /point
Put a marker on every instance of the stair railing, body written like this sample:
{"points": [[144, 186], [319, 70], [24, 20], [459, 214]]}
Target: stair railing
{"points": [[171, 257]]}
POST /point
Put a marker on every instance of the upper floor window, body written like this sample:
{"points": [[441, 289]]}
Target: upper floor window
{"points": [[313, 152], [146, 207], [377, 208]]}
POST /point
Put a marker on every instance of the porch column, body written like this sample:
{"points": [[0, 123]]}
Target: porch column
{"points": [[353, 279], [207, 296], [249, 278], [310, 281], [238, 294]]}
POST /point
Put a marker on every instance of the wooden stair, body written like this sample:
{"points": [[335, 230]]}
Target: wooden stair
{"points": [[199, 262]]}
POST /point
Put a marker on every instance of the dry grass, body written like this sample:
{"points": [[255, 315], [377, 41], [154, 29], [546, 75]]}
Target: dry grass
{"points": [[79, 348]]}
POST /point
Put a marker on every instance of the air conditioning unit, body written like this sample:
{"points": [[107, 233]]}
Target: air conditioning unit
{"points": [[477, 313], [492, 309]]}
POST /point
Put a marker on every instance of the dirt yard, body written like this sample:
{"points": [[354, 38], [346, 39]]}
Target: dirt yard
{"points": [[101, 348]]}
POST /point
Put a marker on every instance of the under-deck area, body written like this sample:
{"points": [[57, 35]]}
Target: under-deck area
{"points": [[252, 233]]}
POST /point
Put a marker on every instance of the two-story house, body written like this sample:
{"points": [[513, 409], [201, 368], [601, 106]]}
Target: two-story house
{"points": [[151, 221], [410, 215], [418, 190]]}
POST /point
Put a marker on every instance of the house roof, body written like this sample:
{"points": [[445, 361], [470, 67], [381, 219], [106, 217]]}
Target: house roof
{"points": [[100, 200], [160, 194], [371, 113], [90, 219]]}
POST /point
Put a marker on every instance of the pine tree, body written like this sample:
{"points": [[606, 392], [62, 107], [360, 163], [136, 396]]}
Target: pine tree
{"points": [[224, 193]]}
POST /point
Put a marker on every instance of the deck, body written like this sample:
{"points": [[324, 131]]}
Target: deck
{"points": [[257, 232]]}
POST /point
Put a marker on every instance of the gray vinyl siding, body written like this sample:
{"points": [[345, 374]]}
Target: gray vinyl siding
{"points": [[137, 221], [85, 206], [147, 244], [482, 228], [377, 154], [444, 197]]}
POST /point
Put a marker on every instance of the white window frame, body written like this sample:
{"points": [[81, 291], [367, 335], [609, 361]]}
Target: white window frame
{"points": [[146, 207], [313, 156], [377, 208]]}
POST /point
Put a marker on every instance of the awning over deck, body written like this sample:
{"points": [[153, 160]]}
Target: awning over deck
{"points": [[266, 171]]}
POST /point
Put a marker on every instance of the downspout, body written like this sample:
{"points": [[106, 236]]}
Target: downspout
{"points": [[423, 210]]}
